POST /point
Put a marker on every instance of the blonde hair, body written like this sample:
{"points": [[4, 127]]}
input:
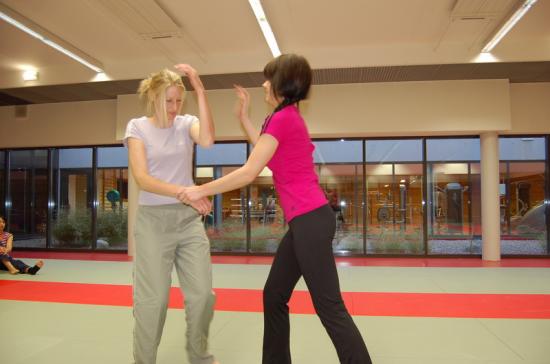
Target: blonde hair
{"points": [[153, 91]]}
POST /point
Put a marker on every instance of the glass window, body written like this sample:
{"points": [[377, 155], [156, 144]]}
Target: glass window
{"points": [[29, 197], [394, 196], [226, 226], [340, 151], [222, 154], [73, 198], [267, 224], [522, 195], [112, 197], [523, 221], [112, 157], [522, 149], [449, 149], [454, 196], [2, 184], [394, 201], [343, 186], [381, 151], [453, 188]]}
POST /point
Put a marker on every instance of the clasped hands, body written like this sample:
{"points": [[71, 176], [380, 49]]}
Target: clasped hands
{"points": [[194, 197]]}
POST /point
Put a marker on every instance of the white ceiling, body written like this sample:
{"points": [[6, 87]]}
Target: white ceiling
{"points": [[222, 36]]}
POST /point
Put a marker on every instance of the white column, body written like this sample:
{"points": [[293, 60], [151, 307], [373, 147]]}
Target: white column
{"points": [[133, 194], [490, 202]]}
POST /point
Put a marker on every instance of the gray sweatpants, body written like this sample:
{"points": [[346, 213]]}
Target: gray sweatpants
{"points": [[166, 235]]}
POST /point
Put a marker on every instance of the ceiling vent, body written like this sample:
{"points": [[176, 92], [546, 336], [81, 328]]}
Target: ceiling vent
{"points": [[160, 35], [471, 21], [21, 112], [144, 17]]}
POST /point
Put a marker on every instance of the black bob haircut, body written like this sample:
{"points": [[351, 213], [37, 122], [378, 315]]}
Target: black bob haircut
{"points": [[290, 77]]}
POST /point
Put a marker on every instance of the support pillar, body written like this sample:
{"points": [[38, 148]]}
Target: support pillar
{"points": [[490, 201]]}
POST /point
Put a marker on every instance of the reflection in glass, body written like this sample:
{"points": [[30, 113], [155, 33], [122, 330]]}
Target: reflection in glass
{"points": [[339, 167], [452, 187], [2, 185], [226, 224], [267, 224], [394, 196], [342, 184], [73, 198], [523, 224], [394, 201], [29, 197], [112, 197]]}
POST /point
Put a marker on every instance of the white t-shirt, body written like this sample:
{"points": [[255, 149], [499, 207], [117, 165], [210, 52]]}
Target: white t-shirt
{"points": [[169, 154]]}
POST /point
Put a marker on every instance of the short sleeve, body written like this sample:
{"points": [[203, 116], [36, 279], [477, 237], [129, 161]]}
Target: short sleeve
{"points": [[189, 120], [132, 131], [186, 122], [276, 127]]}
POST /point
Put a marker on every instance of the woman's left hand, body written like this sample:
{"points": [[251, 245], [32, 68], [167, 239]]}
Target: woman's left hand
{"points": [[191, 74]]}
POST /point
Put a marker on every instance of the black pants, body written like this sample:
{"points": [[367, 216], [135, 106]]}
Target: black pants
{"points": [[306, 250], [18, 264]]}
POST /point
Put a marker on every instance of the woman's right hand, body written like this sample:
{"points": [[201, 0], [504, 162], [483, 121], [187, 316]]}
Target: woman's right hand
{"points": [[244, 103], [192, 75]]}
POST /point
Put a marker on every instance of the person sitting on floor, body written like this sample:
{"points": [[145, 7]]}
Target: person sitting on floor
{"points": [[13, 266]]}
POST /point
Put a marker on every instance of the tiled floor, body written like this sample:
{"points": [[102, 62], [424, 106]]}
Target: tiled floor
{"points": [[413, 332]]}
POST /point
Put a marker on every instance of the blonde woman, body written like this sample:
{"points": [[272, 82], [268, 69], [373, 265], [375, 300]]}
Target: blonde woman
{"points": [[167, 232]]}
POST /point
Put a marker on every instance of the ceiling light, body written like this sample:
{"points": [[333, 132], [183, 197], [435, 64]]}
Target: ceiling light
{"points": [[518, 14], [30, 75], [266, 28], [45, 39]]}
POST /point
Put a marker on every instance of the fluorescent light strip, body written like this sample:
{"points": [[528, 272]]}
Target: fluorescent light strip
{"points": [[266, 28], [508, 25], [51, 43]]}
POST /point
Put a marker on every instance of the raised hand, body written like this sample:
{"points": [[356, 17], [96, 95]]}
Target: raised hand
{"points": [[244, 103], [191, 74]]}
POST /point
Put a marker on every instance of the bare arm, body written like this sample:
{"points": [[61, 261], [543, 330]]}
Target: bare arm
{"points": [[260, 156], [9, 244], [242, 113], [202, 132], [138, 164]]}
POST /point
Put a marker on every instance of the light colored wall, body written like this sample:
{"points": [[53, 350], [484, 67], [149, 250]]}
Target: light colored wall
{"points": [[373, 109], [530, 108], [59, 124]]}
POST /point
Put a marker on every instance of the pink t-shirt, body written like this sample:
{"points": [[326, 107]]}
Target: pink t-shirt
{"points": [[292, 164]]}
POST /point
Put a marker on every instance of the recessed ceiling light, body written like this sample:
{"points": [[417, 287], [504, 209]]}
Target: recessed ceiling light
{"points": [[518, 14], [30, 75], [266, 28], [11, 19]]}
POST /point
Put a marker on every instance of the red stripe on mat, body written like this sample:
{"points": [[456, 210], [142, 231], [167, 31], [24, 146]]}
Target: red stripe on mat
{"points": [[340, 261], [519, 306]]}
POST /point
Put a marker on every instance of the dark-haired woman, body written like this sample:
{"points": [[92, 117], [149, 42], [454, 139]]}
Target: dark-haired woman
{"points": [[284, 145]]}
